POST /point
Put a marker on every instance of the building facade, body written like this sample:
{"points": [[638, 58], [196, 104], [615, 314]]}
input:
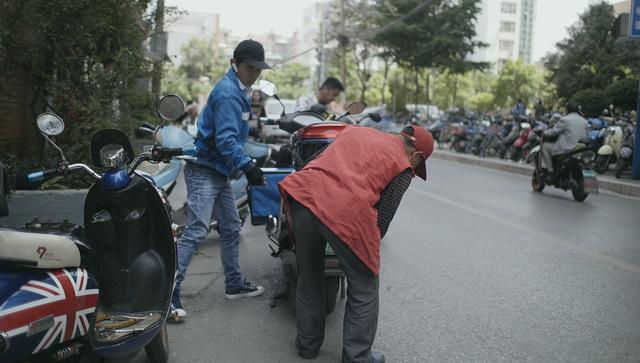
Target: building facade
{"points": [[506, 26], [183, 29]]}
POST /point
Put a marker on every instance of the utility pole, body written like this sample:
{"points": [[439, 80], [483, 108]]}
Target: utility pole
{"points": [[322, 48], [634, 33], [343, 45], [635, 167], [160, 45]]}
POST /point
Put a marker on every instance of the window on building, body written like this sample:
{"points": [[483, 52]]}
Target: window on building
{"points": [[507, 26], [508, 7], [506, 45], [501, 64]]}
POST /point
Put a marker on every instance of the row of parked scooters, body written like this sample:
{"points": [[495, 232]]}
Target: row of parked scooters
{"points": [[608, 141]]}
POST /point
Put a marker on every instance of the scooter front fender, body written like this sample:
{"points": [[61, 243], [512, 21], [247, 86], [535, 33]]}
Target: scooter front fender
{"points": [[605, 150]]}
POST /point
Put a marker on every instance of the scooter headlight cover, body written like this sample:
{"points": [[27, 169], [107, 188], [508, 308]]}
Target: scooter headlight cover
{"points": [[113, 156]]}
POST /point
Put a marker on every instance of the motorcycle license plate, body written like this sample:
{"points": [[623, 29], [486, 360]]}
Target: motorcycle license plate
{"points": [[590, 181]]}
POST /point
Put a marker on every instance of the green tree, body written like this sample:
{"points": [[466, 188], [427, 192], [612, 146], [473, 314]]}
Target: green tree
{"points": [[85, 60], [517, 81], [202, 65], [623, 93], [291, 79], [482, 102], [592, 101], [591, 57], [439, 35], [350, 22]]}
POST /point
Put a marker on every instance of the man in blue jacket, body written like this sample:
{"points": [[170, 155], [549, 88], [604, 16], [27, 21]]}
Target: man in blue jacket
{"points": [[222, 131]]}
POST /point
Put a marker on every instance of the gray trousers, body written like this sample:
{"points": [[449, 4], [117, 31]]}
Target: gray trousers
{"points": [[361, 311], [547, 156]]}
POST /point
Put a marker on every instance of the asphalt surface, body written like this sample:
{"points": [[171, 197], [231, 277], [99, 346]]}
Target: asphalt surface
{"points": [[475, 267]]}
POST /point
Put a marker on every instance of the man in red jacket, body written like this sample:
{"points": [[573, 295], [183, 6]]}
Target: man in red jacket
{"points": [[347, 197]]}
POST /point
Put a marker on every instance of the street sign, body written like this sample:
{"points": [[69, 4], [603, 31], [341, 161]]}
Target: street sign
{"points": [[634, 19]]}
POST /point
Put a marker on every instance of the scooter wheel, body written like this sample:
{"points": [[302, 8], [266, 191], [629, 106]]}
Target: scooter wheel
{"points": [[621, 165], [158, 349], [536, 182]]}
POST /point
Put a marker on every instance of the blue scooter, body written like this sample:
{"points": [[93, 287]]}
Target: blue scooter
{"points": [[98, 291], [166, 176]]}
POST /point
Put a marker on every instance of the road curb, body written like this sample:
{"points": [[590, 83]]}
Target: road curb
{"points": [[605, 182]]}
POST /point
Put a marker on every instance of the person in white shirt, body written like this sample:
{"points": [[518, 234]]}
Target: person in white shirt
{"points": [[328, 92]]}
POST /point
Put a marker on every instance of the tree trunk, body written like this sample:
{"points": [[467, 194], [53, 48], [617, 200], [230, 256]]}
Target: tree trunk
{"points": [[455, 90], [427, 86], [156, 79], [343, 64], [404, 87], [417, 82], [384, 81]]}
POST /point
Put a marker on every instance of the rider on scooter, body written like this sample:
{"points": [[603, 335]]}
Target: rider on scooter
{"points": [[567, 133], [327, 93]]}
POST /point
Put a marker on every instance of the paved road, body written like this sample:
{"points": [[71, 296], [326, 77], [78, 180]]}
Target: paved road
{"points": [[475, 267]]}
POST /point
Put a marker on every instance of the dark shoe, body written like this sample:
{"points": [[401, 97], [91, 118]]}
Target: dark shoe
{"points": [[377, 357], [305, 353], [248, 290]]}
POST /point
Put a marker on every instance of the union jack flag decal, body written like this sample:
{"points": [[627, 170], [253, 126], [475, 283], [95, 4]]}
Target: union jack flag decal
{"points": [[67, 296]]}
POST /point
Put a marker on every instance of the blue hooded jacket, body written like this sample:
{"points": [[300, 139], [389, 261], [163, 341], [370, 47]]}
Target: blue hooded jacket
{"points": [[223, 128]]}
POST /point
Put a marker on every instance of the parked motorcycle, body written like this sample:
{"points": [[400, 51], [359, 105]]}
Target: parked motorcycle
{"points": [[626, 151], [103, 296], [533, 140], [480, 133], [515, 140], [569, 173], [461, 136], [515, 153], [493, 143], [439, 130], [609, 152]]}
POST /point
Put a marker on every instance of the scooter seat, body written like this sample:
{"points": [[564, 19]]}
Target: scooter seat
{"points": [[37, 250], [578, 146], [152, 168]]}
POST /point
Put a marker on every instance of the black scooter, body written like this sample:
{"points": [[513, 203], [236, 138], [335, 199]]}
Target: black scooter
{"points": [[569, 172], [102, 291]]}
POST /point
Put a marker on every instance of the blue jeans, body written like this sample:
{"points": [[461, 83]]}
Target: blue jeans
{"points": [[209, 194]]}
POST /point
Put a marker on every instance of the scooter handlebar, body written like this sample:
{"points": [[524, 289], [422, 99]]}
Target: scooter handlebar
{"points": [[32, 179], [160, 153], [149, 125]]}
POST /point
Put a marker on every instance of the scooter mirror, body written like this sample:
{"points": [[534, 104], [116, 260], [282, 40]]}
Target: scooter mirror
{"points": [[171, 107], [268, 88], [50, 124], [356, 108]]}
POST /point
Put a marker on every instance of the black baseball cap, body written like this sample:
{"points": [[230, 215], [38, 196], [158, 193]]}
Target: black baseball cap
{"points": [[252, 52]]}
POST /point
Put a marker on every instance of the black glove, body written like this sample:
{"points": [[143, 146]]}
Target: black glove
{"points": [[254, 175]]}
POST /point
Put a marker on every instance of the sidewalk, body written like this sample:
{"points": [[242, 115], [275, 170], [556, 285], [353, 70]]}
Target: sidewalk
{"points": [[605, 182]]}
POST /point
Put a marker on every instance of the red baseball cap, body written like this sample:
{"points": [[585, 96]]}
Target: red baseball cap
{"points": [[423, 141]]}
